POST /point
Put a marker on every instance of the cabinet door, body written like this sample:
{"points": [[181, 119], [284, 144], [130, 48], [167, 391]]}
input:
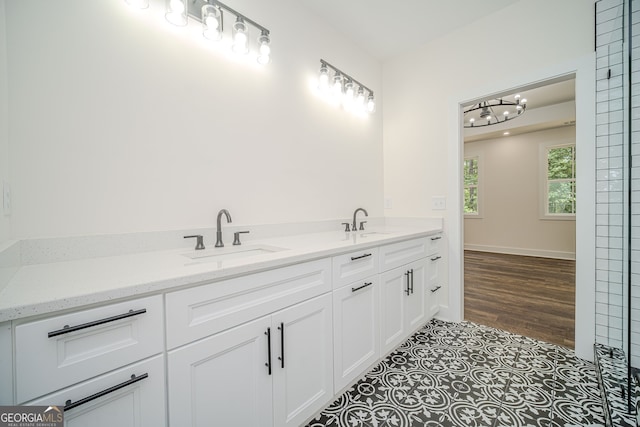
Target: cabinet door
{"points": [[223, 380], [302, 360], [128, 397], [394, 288], [416, 311], [355, 330]]}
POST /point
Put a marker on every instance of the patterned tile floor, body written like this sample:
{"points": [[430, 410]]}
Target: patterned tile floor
{"points": [[463, 374]]}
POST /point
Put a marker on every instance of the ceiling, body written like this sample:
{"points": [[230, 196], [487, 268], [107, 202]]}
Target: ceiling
{"points": [[385, 29]]}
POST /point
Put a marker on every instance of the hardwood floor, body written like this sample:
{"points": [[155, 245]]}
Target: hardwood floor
{"points": [[529, 296]]}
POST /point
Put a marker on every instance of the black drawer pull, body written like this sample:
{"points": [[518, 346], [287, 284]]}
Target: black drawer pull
{"points": [[436, 258], [361, 287], [436, 238], [68, 328], [353, 258], [436, 288], [70, 405], [408, 290]]}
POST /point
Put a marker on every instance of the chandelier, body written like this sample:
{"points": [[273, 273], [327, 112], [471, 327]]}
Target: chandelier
{"points": [[494, 111]]}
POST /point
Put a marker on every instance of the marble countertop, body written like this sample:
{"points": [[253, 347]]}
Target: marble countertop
{"points": [[49, 287]]}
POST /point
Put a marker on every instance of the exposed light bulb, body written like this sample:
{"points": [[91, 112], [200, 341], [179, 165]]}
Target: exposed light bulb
{"points": [[176, 13], [519, 108], [360, 97], [337, 85], [349, 92], [488, 118], [471, 120], [177, 6], [506, 113], [240, 39], [323, 78], [211, 22], [371, 104], [265, 49], [524, 100]]}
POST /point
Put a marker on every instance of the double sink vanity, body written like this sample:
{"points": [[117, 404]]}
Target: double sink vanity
{"points": [[263, 333]]}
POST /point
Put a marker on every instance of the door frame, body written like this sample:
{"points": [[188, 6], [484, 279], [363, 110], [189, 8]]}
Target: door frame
{"points": [[583, 69]]}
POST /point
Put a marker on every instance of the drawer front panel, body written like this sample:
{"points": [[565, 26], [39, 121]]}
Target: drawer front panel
{"points": [[198, 312], [398, 254], [102, 339], [354, 266], [434, 244], [140, 402]]}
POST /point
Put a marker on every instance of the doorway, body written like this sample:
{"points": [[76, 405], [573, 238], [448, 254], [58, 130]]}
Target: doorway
{"points": [[519, 212]]}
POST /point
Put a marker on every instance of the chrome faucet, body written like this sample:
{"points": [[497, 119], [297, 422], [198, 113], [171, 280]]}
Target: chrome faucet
{"points": [[219, 243], [354, 226]]}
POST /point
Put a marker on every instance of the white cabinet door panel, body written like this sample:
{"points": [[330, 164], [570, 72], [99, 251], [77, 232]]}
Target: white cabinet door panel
{"points": [[356, 333], [303, 381], [222, 380]]}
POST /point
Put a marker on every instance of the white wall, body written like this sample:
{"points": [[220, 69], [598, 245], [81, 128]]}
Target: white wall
{"points": [[5, 221], [510, 204], [122, 123]]}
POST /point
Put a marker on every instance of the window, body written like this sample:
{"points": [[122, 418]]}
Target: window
{"points": [[471, 186], [560, 188]]}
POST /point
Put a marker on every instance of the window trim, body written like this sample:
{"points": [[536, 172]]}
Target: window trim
{"points": [[544, 183], [479, 186]]}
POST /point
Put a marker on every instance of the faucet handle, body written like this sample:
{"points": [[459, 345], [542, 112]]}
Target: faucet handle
{"points": [[362, 225], [199, 242], [346, 226], [236, 237]]}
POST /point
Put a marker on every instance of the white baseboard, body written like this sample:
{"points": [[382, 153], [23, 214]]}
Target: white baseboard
{"points": [[521, 251]]}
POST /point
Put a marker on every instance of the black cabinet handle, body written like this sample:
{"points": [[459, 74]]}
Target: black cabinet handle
{"points": [[436, 238], [281, 358], [67, 329], [436, 288], [408, 288], [353, 258], [411, 273], [268, 364], [361, 287], [70, 405], [435, 258]]}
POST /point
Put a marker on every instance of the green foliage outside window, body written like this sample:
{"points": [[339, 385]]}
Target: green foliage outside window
{"points": [[471, 185], [561, 180]]}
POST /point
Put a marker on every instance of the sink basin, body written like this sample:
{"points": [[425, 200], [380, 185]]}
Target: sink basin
{"points": [[234, 252]]}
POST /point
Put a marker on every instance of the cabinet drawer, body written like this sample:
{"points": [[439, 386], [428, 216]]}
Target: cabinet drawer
{"points": [[435, 264], [398, 254], [59, 351], [354, 266], [205, 310], [131, 396], [434, 243]]}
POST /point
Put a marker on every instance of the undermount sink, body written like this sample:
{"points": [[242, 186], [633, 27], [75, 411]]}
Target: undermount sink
{"points": [[234, 252], [366, 233]]}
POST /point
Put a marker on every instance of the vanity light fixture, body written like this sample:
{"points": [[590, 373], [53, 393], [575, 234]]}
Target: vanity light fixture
{"points": [[494, 111], [210, 14], [345, 89]]}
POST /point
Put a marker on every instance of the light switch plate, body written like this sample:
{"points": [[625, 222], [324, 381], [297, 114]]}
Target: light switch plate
{"points": [[6, 199], [388, 203], [438, 203]]}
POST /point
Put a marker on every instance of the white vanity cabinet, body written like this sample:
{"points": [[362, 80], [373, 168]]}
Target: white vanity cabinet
{"points": [[276, 370], [434, 282]]}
